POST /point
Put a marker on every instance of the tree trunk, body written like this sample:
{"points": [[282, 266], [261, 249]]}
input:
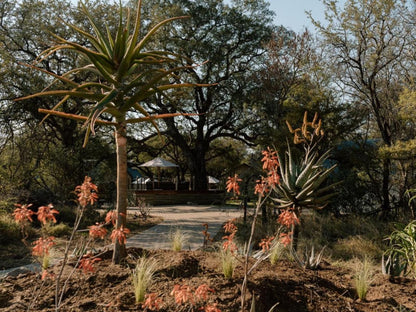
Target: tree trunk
{"points": [[385, 207], [198, 169], [122, 187]]}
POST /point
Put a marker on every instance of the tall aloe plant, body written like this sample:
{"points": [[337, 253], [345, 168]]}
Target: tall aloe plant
{"points": [[301, 184], [126, 74]]}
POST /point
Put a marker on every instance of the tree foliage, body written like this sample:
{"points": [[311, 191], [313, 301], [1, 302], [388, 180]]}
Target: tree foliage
{"points": [[230, 39]]}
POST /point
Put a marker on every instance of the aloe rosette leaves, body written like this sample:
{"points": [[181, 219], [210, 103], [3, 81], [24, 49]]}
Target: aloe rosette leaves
{"points": [[301, 185]]}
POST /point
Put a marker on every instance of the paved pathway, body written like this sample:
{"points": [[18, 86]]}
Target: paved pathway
{"points": [[188, 219]]}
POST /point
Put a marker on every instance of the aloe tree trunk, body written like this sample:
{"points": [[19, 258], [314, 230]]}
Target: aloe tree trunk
{"points": [[122, 187]]}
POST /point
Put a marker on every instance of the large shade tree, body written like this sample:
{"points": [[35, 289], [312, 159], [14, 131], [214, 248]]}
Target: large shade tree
{"points": [[117, 71], [230, 36]]}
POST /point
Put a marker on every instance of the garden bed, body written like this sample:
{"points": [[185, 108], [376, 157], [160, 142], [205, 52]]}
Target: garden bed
{"points": [[109, 288]]}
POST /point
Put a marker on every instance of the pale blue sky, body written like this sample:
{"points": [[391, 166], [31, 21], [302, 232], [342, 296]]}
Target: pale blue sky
{"points": [[291, 13]]}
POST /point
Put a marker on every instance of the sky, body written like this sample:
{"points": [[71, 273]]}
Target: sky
{"points": [[291, 13]]}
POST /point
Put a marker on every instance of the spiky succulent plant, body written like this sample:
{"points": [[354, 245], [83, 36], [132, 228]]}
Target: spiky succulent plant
{"points": [[301, 183]]}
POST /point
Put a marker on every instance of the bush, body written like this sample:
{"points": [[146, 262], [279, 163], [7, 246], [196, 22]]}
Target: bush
{"points": [[9, 229], [59, 230], [67, 215], [356, 247]]}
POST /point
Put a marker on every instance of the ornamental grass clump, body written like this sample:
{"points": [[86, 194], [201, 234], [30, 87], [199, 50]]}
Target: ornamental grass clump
{"points": [[362, 278], [142, 276], [277, 250], [228, 263], [178, 239]]}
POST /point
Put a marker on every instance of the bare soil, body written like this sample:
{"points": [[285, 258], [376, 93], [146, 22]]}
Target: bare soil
{"points": [[109, 287]]}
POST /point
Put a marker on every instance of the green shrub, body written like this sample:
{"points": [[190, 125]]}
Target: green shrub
{"points": [[59, 230], [67, 215], [9, 229], [356, 246]]}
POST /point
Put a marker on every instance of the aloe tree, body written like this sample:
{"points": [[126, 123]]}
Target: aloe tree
{"points": [[126, 72]]}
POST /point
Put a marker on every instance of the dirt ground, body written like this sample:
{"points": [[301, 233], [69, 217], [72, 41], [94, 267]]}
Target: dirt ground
{"points": [[109, 287]]}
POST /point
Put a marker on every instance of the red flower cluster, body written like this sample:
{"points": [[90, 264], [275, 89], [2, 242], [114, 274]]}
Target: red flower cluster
{"points": [[23, 213], [42, 246], [97, 231], [151, 302], [120, 235], [232, 185], [270, 160], [266, 242], [286, 238], [184, 294], [47, 213], [111, 217], [270, 166], [87, 192], [229, 244], [288, 218], [87, 263]]}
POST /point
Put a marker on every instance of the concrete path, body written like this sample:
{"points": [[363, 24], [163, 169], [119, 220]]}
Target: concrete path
{"points": [[187, 218]]}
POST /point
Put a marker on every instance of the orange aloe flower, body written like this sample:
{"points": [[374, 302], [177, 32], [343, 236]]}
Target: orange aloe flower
{"points": [[201, 292], [265, 243], [42, 246], [151, 302], [270, 160], [212, 308], [261, 187], [111, 217], [87, 192], [87, 263], [273, 178], [97, 231], [288, 218], [120, 235], [22, 213], [46, 274], [286, 238], [229, 243], [182, 294], [232, 184], [230, 227], [46, 214]]}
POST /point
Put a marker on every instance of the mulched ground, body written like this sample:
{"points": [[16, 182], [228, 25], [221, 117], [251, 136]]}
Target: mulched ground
{"points": [[109, 288]]}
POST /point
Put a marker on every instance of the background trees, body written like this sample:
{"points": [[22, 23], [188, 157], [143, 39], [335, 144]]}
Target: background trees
{"points": [[357, 73], [41, 161], [230, 39], [370, 44]]}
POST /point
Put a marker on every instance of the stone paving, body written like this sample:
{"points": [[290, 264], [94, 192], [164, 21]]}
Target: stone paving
{"points": [[188, 219]]}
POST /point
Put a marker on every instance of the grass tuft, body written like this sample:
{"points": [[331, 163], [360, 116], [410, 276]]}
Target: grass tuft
{"points": [[362, 278], [228, 263], [178, 239], [142, 276]]}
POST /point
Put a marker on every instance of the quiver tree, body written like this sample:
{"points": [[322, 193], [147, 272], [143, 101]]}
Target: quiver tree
{"points": [[123, 71]]}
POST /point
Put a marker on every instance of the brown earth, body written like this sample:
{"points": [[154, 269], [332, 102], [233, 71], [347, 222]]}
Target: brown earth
{"points": [[295, 289]]}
